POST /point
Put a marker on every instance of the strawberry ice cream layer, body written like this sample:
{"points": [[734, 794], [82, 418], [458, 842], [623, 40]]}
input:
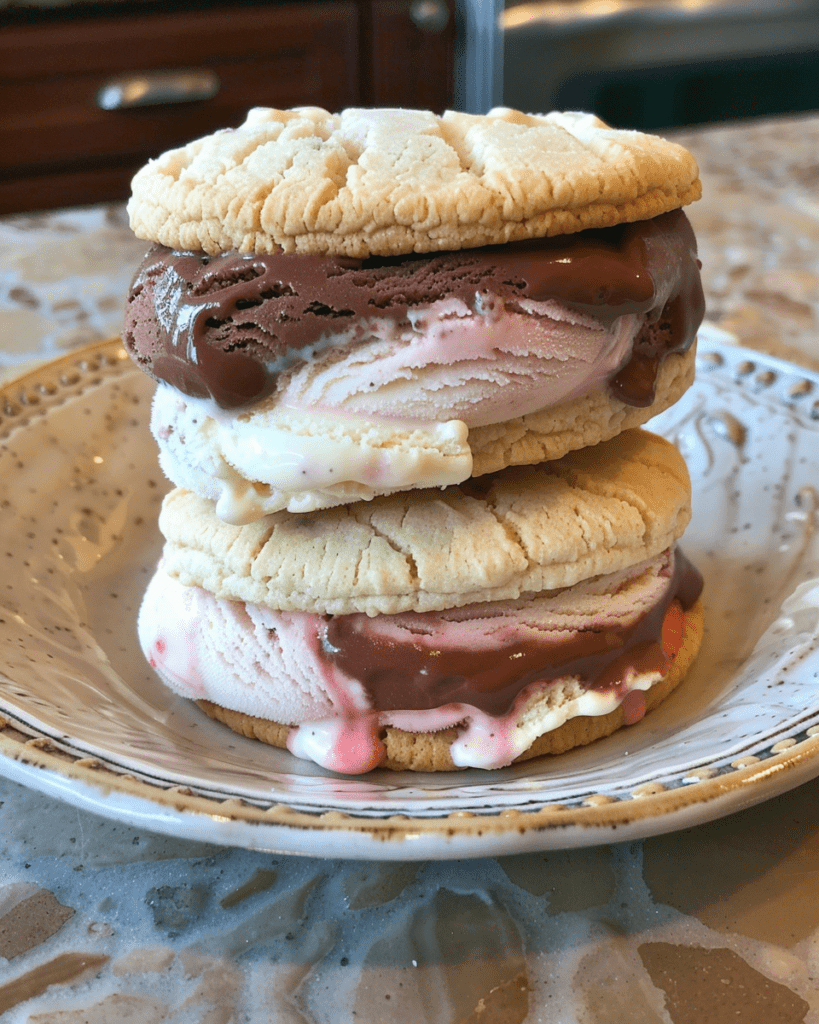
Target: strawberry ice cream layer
{"points": [[526, 667], [386, 406]]}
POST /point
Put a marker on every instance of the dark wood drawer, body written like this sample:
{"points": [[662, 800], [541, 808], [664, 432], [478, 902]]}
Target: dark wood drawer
{"points": [[406, 61], [59, 148], [57, 145]]}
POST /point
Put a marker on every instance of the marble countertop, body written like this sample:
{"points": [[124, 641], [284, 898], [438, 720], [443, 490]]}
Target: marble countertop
{"points": [[101, 921]]}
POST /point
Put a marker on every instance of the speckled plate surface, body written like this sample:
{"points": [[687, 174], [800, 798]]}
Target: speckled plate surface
{"points": [[83, 718]]}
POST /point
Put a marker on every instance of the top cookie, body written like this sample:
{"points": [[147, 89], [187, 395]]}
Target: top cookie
{"points": [[386, 182]]}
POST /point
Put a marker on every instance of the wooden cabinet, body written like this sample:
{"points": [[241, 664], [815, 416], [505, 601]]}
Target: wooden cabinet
{"points": [[58, 146], [408, 67]]}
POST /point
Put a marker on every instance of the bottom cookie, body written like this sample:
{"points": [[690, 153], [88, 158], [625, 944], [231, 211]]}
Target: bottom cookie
{"points": [[431, 751]]}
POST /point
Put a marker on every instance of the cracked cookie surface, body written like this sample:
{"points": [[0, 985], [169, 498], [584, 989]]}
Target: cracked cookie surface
{"points": [[385, 182]]}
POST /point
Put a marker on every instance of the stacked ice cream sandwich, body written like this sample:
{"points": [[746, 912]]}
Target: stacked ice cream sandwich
{"points": [[402, 363]]}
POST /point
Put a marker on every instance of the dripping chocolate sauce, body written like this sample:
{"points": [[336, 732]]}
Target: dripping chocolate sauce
{"points": [[409, 677], [216, 326]]}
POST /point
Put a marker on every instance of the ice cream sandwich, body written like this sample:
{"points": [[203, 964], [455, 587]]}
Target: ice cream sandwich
{"points": [[340, 306], [400, 362], [520, 613]]}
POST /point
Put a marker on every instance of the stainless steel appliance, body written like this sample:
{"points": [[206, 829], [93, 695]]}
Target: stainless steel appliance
{"points": [[645, 63]]}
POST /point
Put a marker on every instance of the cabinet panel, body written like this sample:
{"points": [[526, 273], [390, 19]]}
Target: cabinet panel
{"points": [[170, 38], [411, 66], [287, 55]]}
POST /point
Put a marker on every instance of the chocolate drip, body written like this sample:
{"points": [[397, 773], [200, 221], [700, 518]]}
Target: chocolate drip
{"points": [[410, 677], [635, 383], [225, 326]]}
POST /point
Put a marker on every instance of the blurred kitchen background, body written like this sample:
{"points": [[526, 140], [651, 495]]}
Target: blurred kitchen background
{"points": [[654, 64], [89, 91]]}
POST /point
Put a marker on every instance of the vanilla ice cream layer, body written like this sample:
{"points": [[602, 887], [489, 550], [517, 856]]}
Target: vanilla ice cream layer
{"points": [[385, 407], [338, 681]]}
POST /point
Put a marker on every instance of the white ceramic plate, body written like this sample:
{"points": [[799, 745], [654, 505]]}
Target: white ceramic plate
{"points": [[84, 719]]}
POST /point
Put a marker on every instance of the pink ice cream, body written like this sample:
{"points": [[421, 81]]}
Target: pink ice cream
{"points": [[338, 680]]}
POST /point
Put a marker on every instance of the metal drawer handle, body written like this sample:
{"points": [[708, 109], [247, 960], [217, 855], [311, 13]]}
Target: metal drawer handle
{"points": [[154, 88]]}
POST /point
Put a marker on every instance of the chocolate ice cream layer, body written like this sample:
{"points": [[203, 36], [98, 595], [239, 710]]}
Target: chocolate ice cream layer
{"points": [[224, 327]]}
